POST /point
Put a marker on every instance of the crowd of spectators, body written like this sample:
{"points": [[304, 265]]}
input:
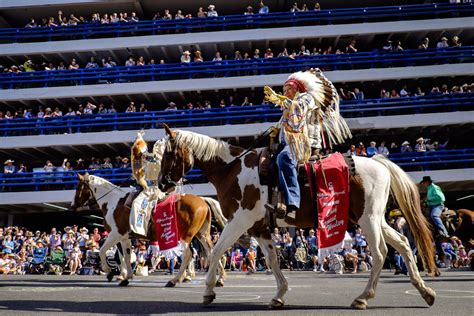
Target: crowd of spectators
{"points": [[89, 108], [299, 251], [68, 165], [421, 145], [125, 17], [196, 56]]}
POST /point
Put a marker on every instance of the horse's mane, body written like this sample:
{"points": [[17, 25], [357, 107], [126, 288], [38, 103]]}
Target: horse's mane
{"points": [[203, 147], [98, 181]]}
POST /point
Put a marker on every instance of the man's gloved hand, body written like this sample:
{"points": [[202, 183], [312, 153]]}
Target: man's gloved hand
{"points": [[274, 97]]}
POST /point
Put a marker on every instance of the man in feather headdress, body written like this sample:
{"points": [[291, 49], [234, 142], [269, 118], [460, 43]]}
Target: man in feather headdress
{"points": [[296, 103], [309, 102]]}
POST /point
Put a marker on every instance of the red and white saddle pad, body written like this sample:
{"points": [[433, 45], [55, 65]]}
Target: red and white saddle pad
{"points": [[332, 182], [166, 224]]}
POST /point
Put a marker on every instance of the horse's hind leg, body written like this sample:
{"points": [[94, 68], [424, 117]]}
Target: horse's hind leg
{"points": [[400, 243], [126, 272], [371, 226], [207, 245], [271, 258], [186, 258]]}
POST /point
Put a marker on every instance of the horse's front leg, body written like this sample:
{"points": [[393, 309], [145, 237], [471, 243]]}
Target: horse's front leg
{"points": [[126, 266], [111, 241], [232, 231], [269, 250]]}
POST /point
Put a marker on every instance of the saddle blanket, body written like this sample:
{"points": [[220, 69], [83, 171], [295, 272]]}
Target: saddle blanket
{"points": [[166, 224], [332, 183]]}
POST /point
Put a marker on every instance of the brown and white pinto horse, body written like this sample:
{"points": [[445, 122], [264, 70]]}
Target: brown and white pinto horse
{"points": [[193, 215], [234, 173]]}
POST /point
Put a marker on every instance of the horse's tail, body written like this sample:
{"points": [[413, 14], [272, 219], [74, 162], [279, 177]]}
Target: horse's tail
{"points": [[138, 171], [407, 197], [216, 211]]}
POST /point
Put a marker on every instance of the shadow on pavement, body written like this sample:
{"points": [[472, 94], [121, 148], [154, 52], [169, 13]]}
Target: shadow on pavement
{"points": [[156, 307]]}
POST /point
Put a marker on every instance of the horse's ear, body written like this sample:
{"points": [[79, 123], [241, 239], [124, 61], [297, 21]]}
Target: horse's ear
{"points": [[81, 178], [86, 176], [169, 131]]}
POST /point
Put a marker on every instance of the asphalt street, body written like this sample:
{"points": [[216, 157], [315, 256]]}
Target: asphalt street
{"points": [[310, 294]]}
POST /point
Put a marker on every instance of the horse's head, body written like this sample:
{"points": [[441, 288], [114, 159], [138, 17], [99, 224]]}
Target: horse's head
{"points": [[84, 198], [177, 161]]}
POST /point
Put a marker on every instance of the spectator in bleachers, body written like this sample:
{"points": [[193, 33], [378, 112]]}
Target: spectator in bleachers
{"points": [[397, 46], [388, 46], [383, 150], [131, 107], [130, 62], [107, 164], [22, 168], [212, 11], [79, 164], [303, 51], [57, 112], [394, 94], [9, 167], [256, 53], [66, 165], [201, 13], [186, 57], [249, 10], [420, 145], [134, 18], [443, 43], [114, 18], [404, 92], [89, 109], [74, 65], [125, 163], [49, 167], [141, 61], [419, 92], [295, 8], [351, 47], [455, 41], [31, 24], [360, 150], [406, 148], [75, 255], [372, 149], [92, 64], [263, 8], [142, 108], [268, 53], [424, 43], [352, 150]]}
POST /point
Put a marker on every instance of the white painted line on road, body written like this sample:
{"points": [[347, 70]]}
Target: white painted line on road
{"points": [[415, 292], [49, 309]]}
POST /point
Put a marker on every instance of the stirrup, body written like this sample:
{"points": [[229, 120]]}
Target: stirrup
{"points": [[279, 209]]}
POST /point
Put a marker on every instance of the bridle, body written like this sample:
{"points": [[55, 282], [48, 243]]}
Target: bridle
{"points": [[93, 199], [173, 164]]}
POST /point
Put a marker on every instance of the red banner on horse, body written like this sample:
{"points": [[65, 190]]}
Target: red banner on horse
{"points": [[166, 225], [332, 182]]}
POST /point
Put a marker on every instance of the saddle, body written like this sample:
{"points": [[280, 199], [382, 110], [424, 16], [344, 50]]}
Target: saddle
{"points": [[268, 175]]}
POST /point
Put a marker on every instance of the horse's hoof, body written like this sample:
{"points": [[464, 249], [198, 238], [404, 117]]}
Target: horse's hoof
{"points": [[170, 284], [187, 279], [429, 296], [276, 303], [110, 276], [220, 283], [124, 283], [208, 299], [358, 304]]}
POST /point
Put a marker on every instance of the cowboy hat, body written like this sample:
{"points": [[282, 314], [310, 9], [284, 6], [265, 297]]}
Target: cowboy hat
{"points": [[444, 38], [124, 159], [84, 229], [395, 212], [211, 7], [67, 228], [405, 143], [419, 139], [186, 52], [9, 161], [426, 179], [29, 234]]}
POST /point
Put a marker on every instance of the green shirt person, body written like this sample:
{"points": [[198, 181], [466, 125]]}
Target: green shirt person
{"points": [[435, 198]]}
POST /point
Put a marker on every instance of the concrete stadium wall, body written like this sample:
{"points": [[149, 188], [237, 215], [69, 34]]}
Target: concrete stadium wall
{"points": [[323, 31], [338, 76], [238, 130]]}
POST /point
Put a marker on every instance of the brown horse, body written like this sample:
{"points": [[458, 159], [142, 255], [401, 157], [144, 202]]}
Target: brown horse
{"points": [[193, 215]]}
